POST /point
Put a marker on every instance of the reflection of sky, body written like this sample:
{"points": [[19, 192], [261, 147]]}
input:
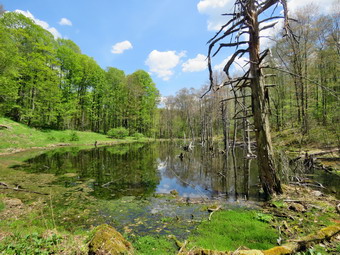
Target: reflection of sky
{"points": [[167, 184]]}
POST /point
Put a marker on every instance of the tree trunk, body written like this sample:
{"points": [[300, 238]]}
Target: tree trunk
{"points": [[268, 176]]}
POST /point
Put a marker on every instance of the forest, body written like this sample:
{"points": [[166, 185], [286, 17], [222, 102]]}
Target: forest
{"points": [[97, 161], [48, 83]]}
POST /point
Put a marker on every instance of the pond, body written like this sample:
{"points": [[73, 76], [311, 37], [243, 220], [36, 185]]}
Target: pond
{"points": [[134, 186], [141, 170]]}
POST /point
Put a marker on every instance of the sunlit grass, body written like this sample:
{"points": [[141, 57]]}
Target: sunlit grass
{"points": [[228, 230], [18, 135]]}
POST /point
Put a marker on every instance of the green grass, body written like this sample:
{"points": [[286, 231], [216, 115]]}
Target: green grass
{"points": [[151, 245], [317, 137], [228, 230], [2, 206], [20, 136]]}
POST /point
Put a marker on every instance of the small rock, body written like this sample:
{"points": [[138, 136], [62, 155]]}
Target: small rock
{"points": [[174, 192], [107, 240], [297, 207], [13, 203], [316, 193]]}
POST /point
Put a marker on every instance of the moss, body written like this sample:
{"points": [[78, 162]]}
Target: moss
{"points": [[331, 230], [228, 230], [154, 245], [250, 252], [106, 240], [279, 250]]}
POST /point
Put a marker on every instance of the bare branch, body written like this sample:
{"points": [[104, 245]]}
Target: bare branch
{"points": [[271, 18], [267, 4], [269, 26], [233, 98], [231, 60], [222, 45]]}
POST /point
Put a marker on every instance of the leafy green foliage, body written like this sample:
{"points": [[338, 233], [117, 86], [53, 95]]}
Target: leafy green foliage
{"points": [[49, 83], [138, 135], [74, 136], [118, 133], [264, 217], [30, 244]]}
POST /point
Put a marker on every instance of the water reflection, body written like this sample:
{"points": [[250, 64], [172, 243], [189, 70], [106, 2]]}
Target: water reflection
{"points": [[145, 169]]}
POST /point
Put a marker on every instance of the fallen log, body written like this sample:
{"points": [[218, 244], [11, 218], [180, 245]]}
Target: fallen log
{"points": [[288, 248]]}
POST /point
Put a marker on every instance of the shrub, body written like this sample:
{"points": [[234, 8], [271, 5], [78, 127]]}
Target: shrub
{"points": [[138, 135], [118, 133], [74, 136]]}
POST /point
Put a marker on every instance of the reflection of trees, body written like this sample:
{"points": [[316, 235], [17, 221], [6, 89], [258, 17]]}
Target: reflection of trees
{"points": [[131, 169], [232, 176], [119, 170]]}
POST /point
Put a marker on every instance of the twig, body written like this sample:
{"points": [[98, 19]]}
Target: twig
{"points": [[183, 246], [24, 190]]}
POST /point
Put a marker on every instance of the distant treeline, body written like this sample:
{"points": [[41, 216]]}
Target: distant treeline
{"points": [[48, 83]]}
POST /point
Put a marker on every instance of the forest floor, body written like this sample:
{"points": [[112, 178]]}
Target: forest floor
{"points": [[320, 144], [16, 137]]}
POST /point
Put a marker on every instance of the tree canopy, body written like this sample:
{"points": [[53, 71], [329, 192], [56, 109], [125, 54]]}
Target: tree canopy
{"points": [[49, 83]]}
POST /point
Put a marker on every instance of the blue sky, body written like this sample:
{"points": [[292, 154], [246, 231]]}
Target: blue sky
{"points": [[167, 38]]}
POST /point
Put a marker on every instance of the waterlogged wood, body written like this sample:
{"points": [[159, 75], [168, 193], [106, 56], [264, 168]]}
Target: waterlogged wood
{"points": [[288, 248]]}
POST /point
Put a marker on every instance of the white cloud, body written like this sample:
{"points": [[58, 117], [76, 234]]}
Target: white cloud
{"points": [[120, 47], [162, 62], [41, 23], [240, 65], [65, 22], [213, 9], [197, 64]]}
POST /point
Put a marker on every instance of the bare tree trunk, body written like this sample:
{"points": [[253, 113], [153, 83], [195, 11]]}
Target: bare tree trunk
{"points": [[268, 176], [226, 124]]}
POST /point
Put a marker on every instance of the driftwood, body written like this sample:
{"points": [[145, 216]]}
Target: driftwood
{"points": [[19, 189]]}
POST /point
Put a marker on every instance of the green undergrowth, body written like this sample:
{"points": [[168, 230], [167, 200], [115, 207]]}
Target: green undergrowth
{"points": [[230, 229], [318, 137], [19, 136], [42, 244], [2, 206], [154, 245]]}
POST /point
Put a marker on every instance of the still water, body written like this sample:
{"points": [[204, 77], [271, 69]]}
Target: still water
{"points": [[142, 170], [124, 185]]}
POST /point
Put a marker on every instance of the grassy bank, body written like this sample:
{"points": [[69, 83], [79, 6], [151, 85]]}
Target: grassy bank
{"points": [[16, 137], [316, 138]]}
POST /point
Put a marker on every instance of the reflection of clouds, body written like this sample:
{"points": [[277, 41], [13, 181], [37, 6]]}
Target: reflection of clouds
{"points": [[161, 165], [192, 195], [164, 188]]}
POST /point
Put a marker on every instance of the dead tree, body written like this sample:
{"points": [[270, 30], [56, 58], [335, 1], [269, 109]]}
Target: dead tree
{"points": [[245, 21]]}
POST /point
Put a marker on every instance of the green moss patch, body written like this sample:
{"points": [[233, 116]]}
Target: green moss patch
{"points": [[154, 245], [228, 230]]}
